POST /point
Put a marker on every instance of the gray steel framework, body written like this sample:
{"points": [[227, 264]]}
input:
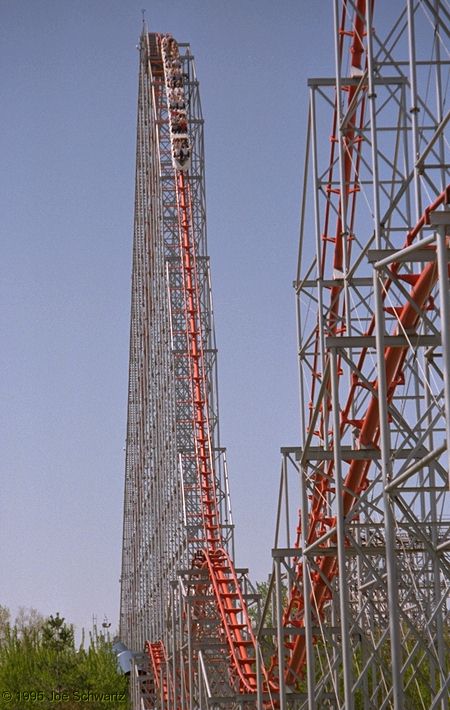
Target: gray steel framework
{"points": [[168, 605], [379, 636], [359, 592], [162, 519]]}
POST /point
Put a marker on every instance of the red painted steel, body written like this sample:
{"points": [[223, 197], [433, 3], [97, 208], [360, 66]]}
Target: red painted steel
{"points": [[200, 423], [230, 602], [357, 476], [233, 611], [231, 607], [158, 661]]}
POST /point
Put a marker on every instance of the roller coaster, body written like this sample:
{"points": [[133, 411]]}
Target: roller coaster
{"points": [[356, 609]]}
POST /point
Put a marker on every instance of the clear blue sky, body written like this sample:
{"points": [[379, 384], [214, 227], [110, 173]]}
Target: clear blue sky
{"points": [[68, 97]]}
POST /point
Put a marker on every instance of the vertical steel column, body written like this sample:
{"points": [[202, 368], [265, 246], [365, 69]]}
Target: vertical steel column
{"points": [[316, 188], [280, 633], [343, 187], [286, 499], [174, 644], [340, 528], [389, 517], [441, 220], [443, 266], [389, 520], [310, 661], [190, 657], [414, 110], [259, 685], [180, 649], [439, 94]]}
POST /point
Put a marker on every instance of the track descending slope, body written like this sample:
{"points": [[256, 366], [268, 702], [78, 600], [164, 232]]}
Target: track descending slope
{"points": [[201, 648]]}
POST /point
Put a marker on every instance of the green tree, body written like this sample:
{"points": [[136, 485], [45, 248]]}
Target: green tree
{"points": [[28, 619], [39, 654], [57, 635], [5, 622]]}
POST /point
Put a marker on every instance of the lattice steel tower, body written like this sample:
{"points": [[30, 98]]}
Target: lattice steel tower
{"points": [[170, 337], [357, 608], [372, 591]]}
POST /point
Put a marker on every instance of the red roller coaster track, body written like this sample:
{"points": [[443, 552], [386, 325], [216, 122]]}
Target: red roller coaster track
{"points": [[213, 558]]}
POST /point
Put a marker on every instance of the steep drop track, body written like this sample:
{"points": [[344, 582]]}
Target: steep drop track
{"points": [[214, 559]]}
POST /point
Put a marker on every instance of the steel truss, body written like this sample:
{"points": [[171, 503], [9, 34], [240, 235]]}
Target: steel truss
{"points": [[357, 610], [163, 515], [183, 604], [369, 573]]}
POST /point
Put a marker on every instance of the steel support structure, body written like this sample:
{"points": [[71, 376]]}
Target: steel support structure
{"points": [[164, 501], [357, 608], [368, 616]]}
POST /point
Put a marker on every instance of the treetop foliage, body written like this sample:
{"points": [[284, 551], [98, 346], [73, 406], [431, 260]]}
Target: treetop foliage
{"points": [[40, 666]]}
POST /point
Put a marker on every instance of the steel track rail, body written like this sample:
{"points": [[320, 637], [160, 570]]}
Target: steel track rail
{"points": [[213, 558]]}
